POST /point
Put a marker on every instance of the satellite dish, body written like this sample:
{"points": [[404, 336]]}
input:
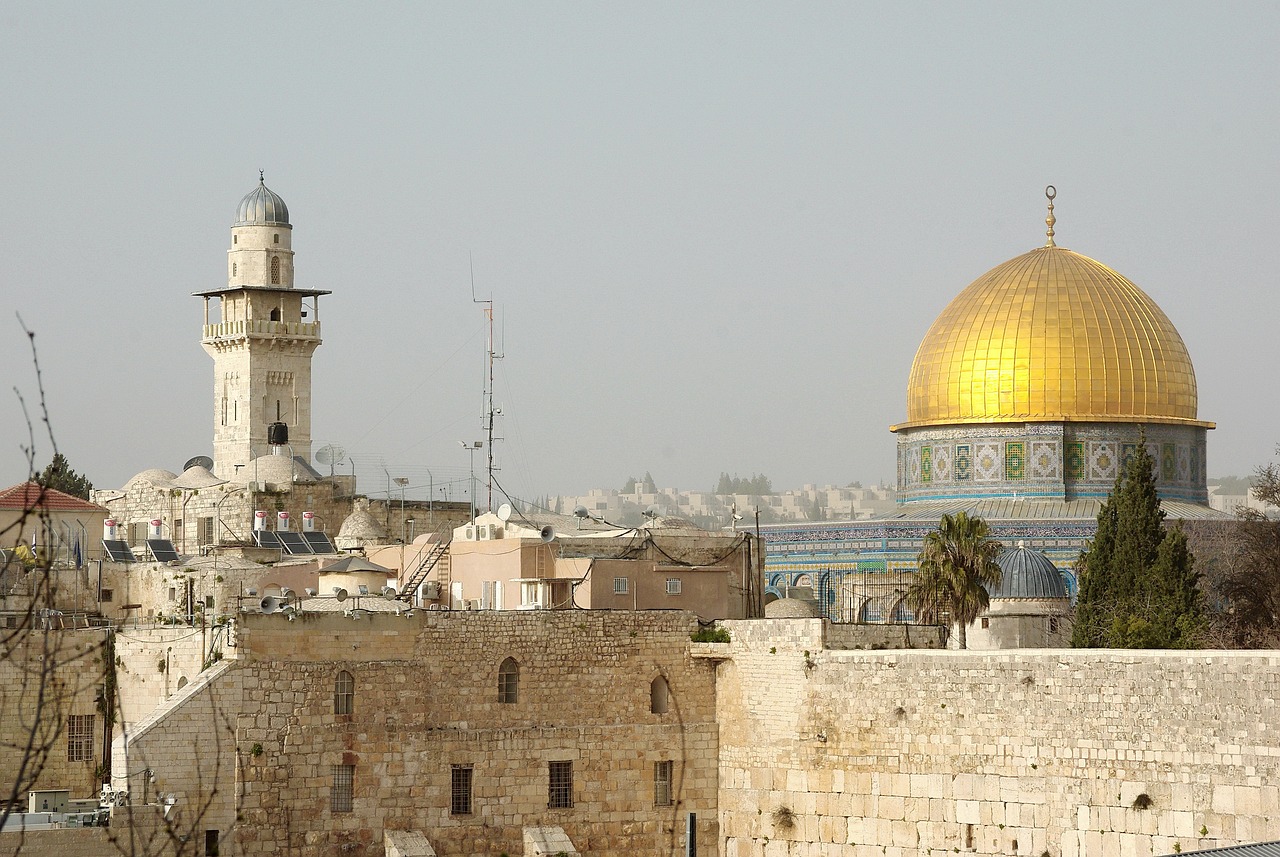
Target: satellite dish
{"points": [[504, 512], [339, 593], [199, 461], [548, 533], [331, 454], [651, 512]]}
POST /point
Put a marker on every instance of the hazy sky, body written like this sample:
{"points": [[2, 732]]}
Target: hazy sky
{"points": [[715, 232]]}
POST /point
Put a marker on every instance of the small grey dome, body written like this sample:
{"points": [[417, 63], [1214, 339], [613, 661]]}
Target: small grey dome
{"points": [[790, 608], [262, 207], [1028, 574]]}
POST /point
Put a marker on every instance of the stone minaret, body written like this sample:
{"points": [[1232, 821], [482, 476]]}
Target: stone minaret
{"points": [[261, 336]]}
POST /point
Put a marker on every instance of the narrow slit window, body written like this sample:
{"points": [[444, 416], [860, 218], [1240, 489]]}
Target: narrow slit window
{"points": [[662, 777], [460, 789], [344, 693], [509, 682]]}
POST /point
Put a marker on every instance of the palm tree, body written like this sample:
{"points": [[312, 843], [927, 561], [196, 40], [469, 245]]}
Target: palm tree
{"points": [[957, 566]]}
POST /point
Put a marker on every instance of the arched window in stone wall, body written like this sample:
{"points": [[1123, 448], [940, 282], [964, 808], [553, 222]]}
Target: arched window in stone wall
{"points": [[509, 682], [658, 694], [275, 314], [344, 693], [275, 270]]}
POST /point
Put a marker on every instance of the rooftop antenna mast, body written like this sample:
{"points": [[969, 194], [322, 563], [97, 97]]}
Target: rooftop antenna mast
{"points": [[488, 410]]}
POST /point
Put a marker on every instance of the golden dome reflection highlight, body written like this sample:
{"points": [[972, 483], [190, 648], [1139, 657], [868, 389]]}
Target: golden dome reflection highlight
{"points": [[1051, 335]]}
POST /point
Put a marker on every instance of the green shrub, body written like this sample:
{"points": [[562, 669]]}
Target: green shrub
{"points": [[710, 635]]}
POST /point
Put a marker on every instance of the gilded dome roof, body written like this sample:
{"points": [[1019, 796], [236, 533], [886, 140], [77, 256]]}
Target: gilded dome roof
{"points": [[262, 207], [1047, 336]]}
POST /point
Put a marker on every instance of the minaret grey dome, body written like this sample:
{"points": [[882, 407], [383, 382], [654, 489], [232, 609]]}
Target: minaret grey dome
{"points": [[1028, 574], [262, 207]]}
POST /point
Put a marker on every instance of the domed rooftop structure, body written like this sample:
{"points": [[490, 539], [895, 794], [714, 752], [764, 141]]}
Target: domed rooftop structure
{"points": [[279, 470], [262, 207], [197, 476], [1028, 574], [790, 608], [157, 476], [1051, 335], [360, 528]]}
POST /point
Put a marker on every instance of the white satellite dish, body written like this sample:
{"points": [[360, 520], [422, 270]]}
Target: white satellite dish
{"points": [[332, 455], [504, 512]]}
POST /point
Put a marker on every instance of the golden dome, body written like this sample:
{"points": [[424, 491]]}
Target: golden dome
{"points": [[1051, 336]]}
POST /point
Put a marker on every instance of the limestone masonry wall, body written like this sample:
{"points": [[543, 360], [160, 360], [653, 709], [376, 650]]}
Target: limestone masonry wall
{"points": [[426, 699], [1064, 752]]}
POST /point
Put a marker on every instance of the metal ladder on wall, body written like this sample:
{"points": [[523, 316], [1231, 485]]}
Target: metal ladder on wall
{"points": [[428, 562]]}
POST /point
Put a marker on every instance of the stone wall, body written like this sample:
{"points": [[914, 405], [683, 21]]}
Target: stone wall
{"points": [[45, 679], [1061, 752], [426, 699], [187, 748], [141, 683]]}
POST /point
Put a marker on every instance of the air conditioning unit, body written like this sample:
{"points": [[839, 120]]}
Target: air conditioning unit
{"points": [[486, 531], [431, 591], [469, 534]]}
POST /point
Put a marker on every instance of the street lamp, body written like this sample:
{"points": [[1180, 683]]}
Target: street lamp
{"points": [[471, 448], [401, 481]]}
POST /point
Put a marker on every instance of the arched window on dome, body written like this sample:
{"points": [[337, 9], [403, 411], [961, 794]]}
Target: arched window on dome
{"points": [[275, 270], [658, 695], [344, 693], [509, 682]]}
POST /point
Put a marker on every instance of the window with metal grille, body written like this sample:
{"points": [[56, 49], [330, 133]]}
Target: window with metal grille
{"points": [[106, 595], [662, 778], [204, 526], [509, 681], [340, 796], [344, 693], [619, 586], [80, 738], [673, 586], [275, 270], [460, 790], [560, 785]]}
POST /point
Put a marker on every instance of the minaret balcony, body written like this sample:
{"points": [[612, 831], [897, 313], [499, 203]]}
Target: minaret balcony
{"points": [[261, 328]]}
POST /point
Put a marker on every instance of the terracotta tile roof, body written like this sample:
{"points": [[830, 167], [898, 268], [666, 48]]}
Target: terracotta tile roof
{"points": [[27, 495]]}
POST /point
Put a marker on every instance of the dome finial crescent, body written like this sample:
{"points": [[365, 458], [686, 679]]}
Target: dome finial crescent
{"points": [[262, 179], [1050, 192]]}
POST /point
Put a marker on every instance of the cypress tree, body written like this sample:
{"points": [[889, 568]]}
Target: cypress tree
{"points": [[1138, 587]]}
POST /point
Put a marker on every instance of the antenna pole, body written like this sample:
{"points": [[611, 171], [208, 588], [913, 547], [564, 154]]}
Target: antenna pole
{"points": [[488, 411]]}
